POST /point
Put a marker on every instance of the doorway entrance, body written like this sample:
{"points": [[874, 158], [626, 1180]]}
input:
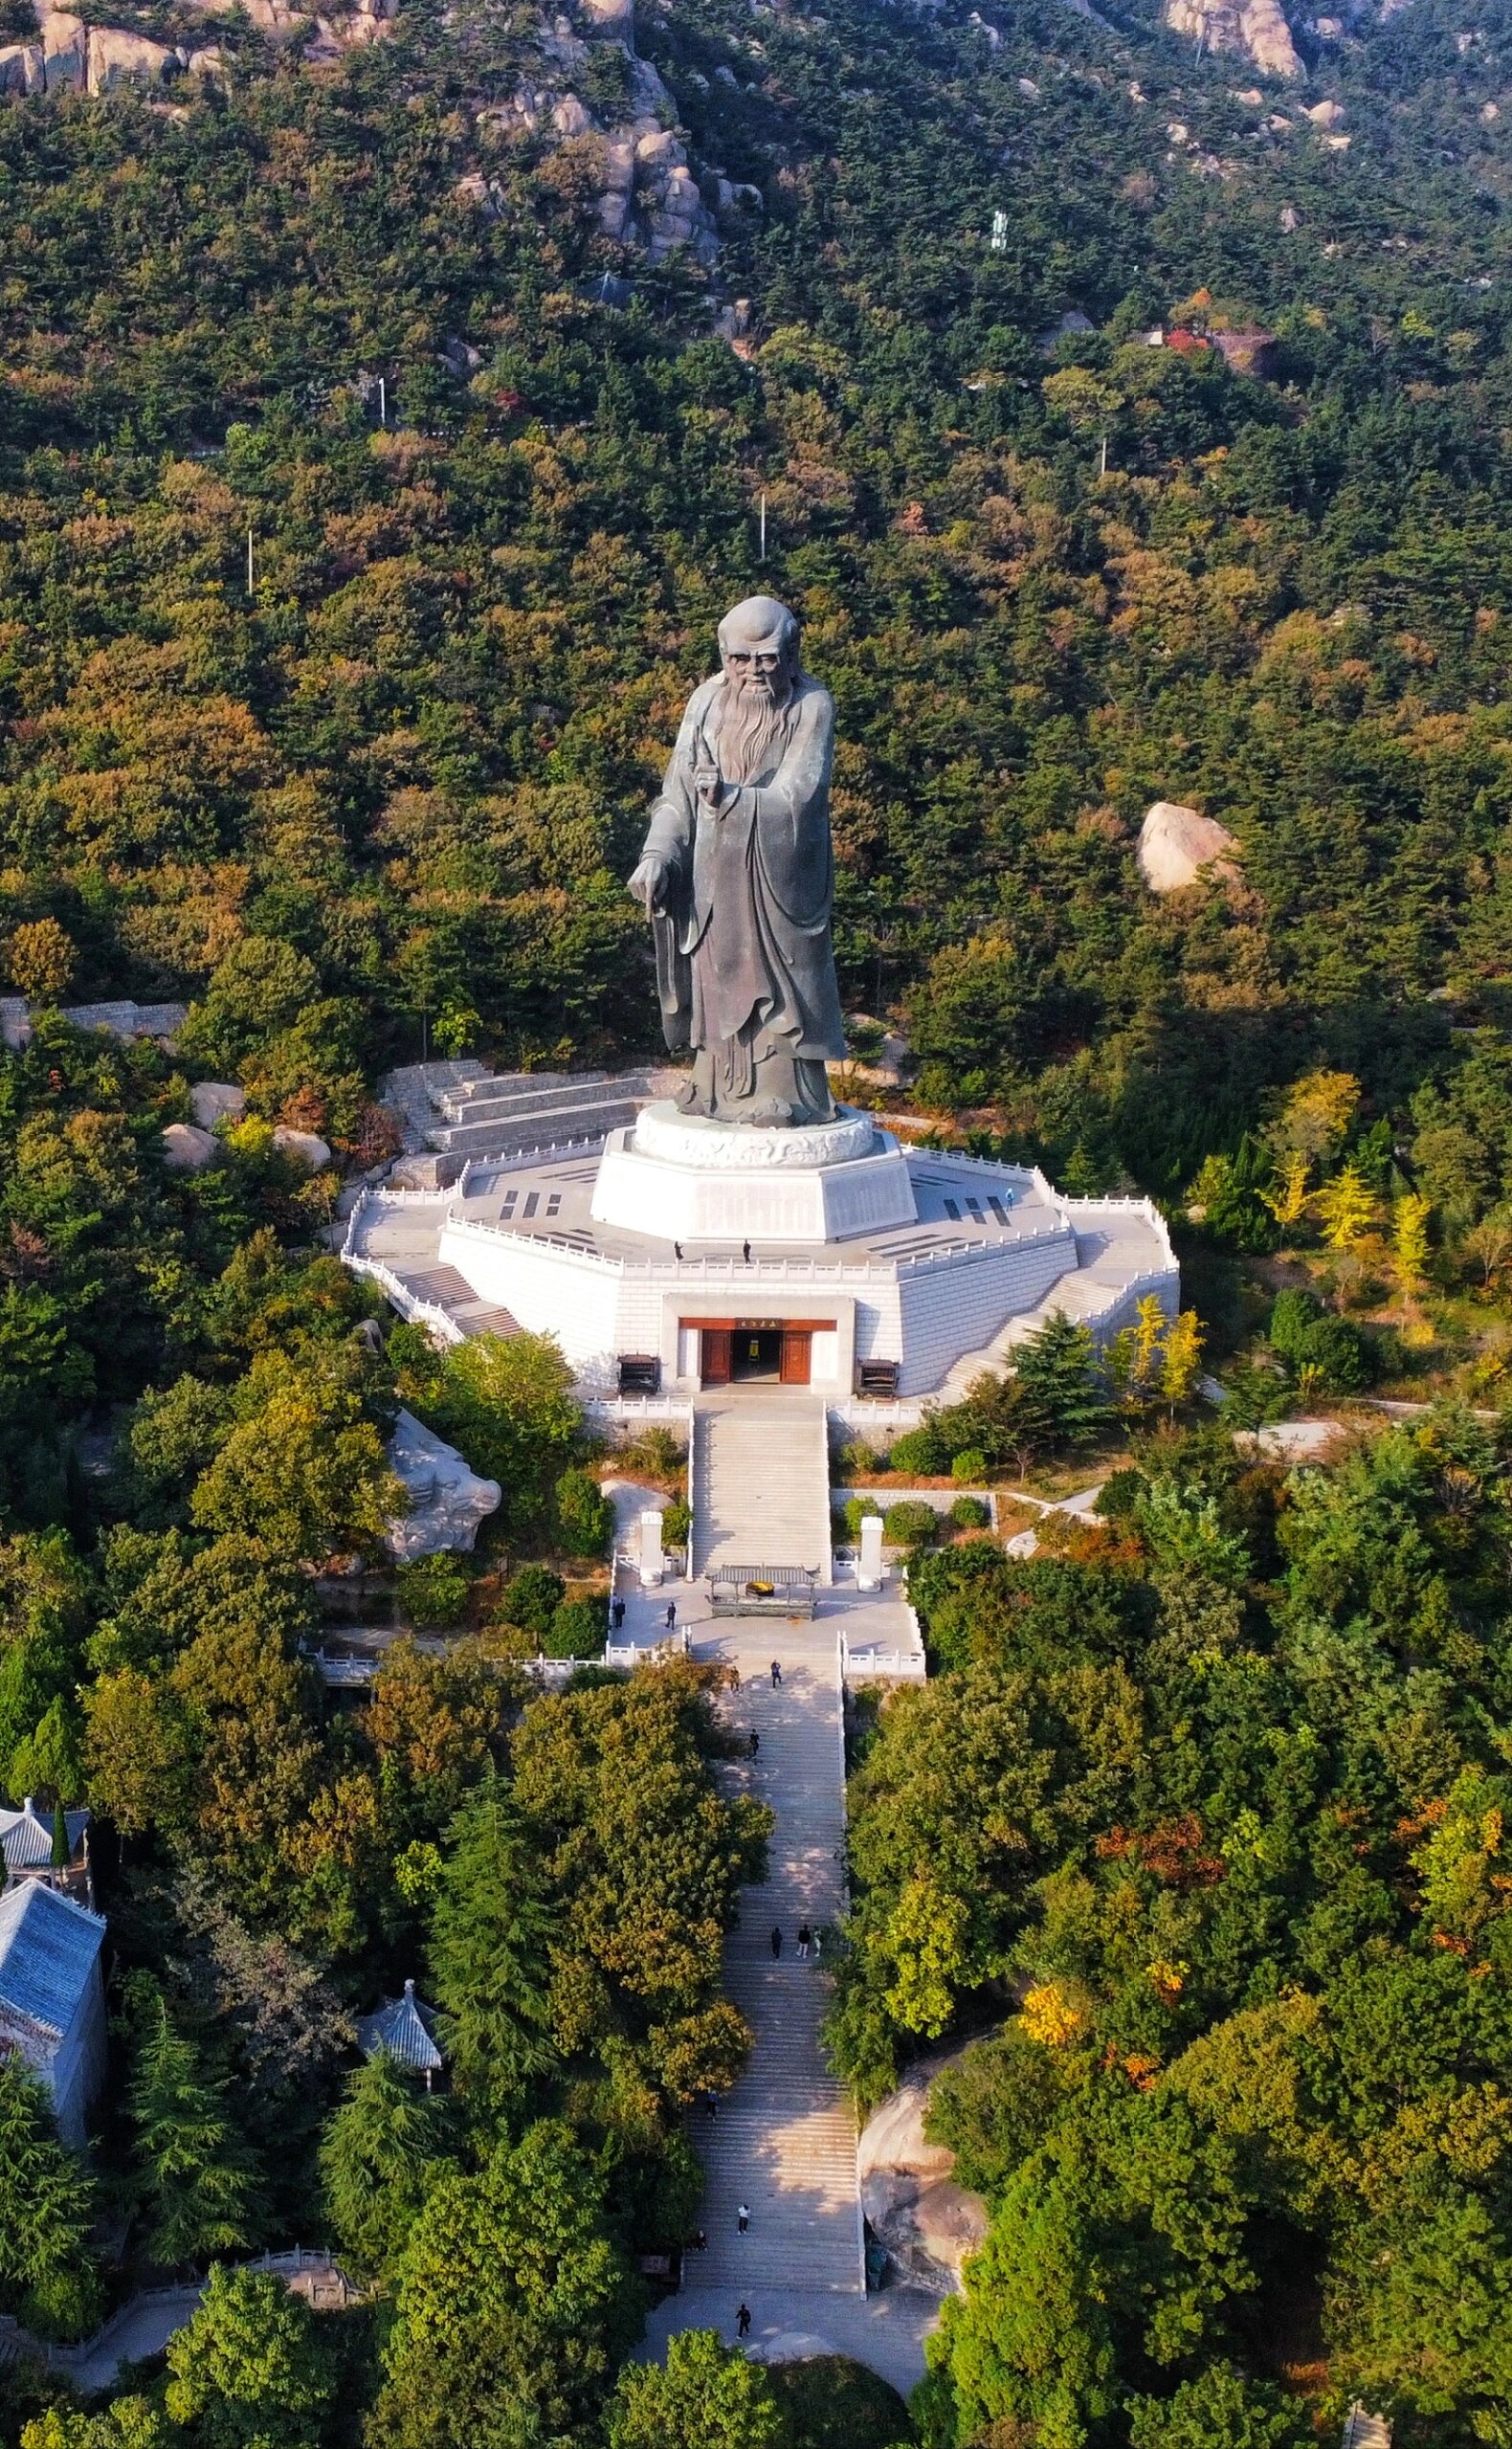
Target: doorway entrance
{"points": [[756, 1352], [756, 1355]]}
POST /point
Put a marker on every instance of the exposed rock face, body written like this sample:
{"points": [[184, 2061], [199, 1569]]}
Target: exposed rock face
{"points": [[116, 58], [307, 1145], [927, 2223], [1255, 30], [447, 1501], [210, 1101], [1175, 843], [188, 1149]]}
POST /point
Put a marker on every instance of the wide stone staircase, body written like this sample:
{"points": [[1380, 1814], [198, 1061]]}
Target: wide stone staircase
{"points": [[500, 1114], [783, 2142], [761, 1482]]}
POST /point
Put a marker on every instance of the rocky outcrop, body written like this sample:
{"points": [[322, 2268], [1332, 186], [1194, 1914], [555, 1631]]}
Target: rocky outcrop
{"points": [[648, 193], [307, 1147], [212, 1101], [1176, 843], [1252, 30], [68, 56], [914, 2208], [188, 1149], [447, 1501]]}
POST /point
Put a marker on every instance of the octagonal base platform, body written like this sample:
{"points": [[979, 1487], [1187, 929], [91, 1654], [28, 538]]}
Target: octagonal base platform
{"points": [[682, 1178]]}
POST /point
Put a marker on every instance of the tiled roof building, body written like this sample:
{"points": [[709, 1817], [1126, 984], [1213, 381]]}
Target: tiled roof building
{"points": [[406, 2028], [53, 1996]]}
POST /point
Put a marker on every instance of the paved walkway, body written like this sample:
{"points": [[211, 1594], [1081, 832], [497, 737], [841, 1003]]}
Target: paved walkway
{"points": [[783, 2142]]}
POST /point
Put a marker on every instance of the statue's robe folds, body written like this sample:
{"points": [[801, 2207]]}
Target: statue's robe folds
{"points": [[745, 961]]}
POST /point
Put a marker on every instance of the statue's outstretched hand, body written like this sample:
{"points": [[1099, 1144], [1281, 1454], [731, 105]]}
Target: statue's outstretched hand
{"points": [[651, 884]]}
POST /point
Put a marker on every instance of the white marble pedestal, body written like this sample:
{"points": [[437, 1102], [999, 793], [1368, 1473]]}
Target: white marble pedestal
{"points": [[682, 1178]]}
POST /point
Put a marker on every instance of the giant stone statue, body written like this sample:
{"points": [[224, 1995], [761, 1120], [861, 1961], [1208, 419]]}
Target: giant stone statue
{"points": [[737, 876]]}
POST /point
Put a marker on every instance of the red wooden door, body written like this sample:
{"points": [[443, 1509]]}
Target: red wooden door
{"points": [[796, 1347], [715, 1356]]}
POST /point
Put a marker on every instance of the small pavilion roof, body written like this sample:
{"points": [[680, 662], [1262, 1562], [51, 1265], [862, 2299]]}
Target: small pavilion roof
{"points": [[26, 1836], [47, 1946], [406, 2028]]}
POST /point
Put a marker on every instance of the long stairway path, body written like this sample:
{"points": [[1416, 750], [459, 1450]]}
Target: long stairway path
{"points": [[760, 1482], [783, 2142]]}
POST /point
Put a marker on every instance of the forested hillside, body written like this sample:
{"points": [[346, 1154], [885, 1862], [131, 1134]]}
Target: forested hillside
{"points": [[1121, 434]]}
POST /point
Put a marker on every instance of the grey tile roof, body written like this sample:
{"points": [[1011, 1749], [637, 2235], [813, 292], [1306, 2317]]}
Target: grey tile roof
{"points": [[47, 1946], [26, 1836], [405, 2027]]}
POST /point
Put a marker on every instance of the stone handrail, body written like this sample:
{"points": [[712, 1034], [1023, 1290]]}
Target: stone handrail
{"points": [[420, 1313], [732, 1268]]}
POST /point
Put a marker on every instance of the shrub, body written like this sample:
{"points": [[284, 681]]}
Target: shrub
{"points": [[532, 1598], [433, 1591], [855, 1510], [1332, 1347], [577, 1629], [917, 1450], [1343, 1357], [970, 1464], [1121, 1491], [677, 1523], [855, 1460], [584, 1514], [655, 1452], [968, 1513], [1293, 1314], [910, 1523]]}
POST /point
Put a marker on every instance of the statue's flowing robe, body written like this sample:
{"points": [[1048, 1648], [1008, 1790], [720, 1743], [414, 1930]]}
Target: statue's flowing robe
{"points": [[745, 949]]}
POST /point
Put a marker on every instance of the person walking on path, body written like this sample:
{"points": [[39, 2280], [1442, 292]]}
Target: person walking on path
{"points": [[616, 1614], [742, 2322], [742, 2217], [805, 1941], [776, 1943], [777, 1674], [672, 1615], [755, 1743], [745, 1253], [818, 1945]]}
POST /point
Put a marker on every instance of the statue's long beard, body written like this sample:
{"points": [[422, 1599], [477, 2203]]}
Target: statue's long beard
{"points": [[752, 729]]}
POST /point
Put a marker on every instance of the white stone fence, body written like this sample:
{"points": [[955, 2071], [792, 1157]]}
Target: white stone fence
{"points": [[733, 1269], [428, 1314], [354, 1669], [868, 1662]]}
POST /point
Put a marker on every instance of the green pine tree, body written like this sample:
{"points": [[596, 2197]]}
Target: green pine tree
{"points": [[489, 1933], [192, 2179], [380, 2153], [1059, 1397], [46, 2213], [61, 1855]]}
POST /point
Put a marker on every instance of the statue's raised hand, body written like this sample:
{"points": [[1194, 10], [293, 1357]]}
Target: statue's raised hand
{"points": [[651, 884]]}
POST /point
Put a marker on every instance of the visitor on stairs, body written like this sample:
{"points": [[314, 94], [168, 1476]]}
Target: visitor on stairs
{"points": [[742, 2322], [805, 1941], [742, 2217], [776, 1673], [776, 1941], [755, 1743]]}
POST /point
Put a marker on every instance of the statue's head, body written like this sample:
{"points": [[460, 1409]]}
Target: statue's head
{"points": [[759, 649]]}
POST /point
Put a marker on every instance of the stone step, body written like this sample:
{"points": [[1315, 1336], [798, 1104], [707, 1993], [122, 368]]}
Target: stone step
{"points": [[514, 1135]]}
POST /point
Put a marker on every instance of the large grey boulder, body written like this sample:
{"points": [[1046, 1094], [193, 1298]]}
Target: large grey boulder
{"points": [[447, 1501], [307, 1145], [210, 1101], [116, 58], [1176, 843], [926, 2221], [188, 1149]]}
